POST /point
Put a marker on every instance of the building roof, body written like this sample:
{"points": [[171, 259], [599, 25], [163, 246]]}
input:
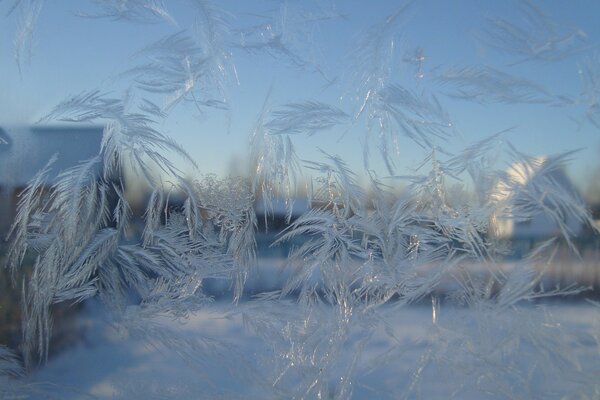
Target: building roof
{"points": [[522, 178], [25, 150], [280, 207]]}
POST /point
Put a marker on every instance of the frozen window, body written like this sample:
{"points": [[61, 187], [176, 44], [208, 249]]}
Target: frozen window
{"points": [[317, 199]]}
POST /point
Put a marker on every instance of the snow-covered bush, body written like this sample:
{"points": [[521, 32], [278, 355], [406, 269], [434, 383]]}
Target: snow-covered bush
{"points": [[363, 251]]}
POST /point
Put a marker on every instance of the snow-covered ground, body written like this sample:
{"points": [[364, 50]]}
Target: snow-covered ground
{"points": [[409, 356]]}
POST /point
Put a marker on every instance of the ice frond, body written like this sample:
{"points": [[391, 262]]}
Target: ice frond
{"points": [[499, 371], [525, 281], [344, 282], [80, 273], [67, 264], [474, 152], [430, 189], [590, 79], [153, 214], [29, 11], [305, 118], [129, 138], [178, 43], [73, 194], [200, 352], [86, 107], [182, 257], [479, 162], [485, 85], [317, 348], [13, 6], [538, 186], [420, 117], [148, 107], [145, 11], [534, 38], [191, 207], [287, 34], [329, 250], [180, 68], [373, 57], [12, 376], [212, 30], [394, 111], [337, 186], [275, 164], [10, 364], [417, 59], [30, 201]]}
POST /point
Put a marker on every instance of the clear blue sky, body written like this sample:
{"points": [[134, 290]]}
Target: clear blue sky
{"points": [[71, 54]]}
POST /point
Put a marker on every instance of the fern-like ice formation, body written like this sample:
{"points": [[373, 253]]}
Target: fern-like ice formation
{"points": [[360, 254]]}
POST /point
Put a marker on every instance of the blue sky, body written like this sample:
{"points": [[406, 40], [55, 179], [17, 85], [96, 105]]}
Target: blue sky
{"points": [[71, 54]]}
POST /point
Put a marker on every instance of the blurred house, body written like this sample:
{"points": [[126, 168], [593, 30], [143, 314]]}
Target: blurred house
{"points": [[277, 215], [26, 150], [529, 208], [595, 209], [272, 219]]}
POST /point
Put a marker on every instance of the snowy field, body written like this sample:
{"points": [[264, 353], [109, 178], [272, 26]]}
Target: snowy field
{"points": [[411, 357], [549, 349]]}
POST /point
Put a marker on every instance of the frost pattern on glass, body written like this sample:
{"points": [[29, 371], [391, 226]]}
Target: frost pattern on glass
{"points": [[359, 254]]}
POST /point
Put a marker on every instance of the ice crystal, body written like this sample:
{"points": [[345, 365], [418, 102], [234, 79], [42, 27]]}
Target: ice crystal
{"points": [[132, 10], [535, 37], [29, 12], [359, 255], [485, 85]]}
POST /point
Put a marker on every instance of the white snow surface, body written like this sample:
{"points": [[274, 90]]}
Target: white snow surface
{"points": [[108, 364]]}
